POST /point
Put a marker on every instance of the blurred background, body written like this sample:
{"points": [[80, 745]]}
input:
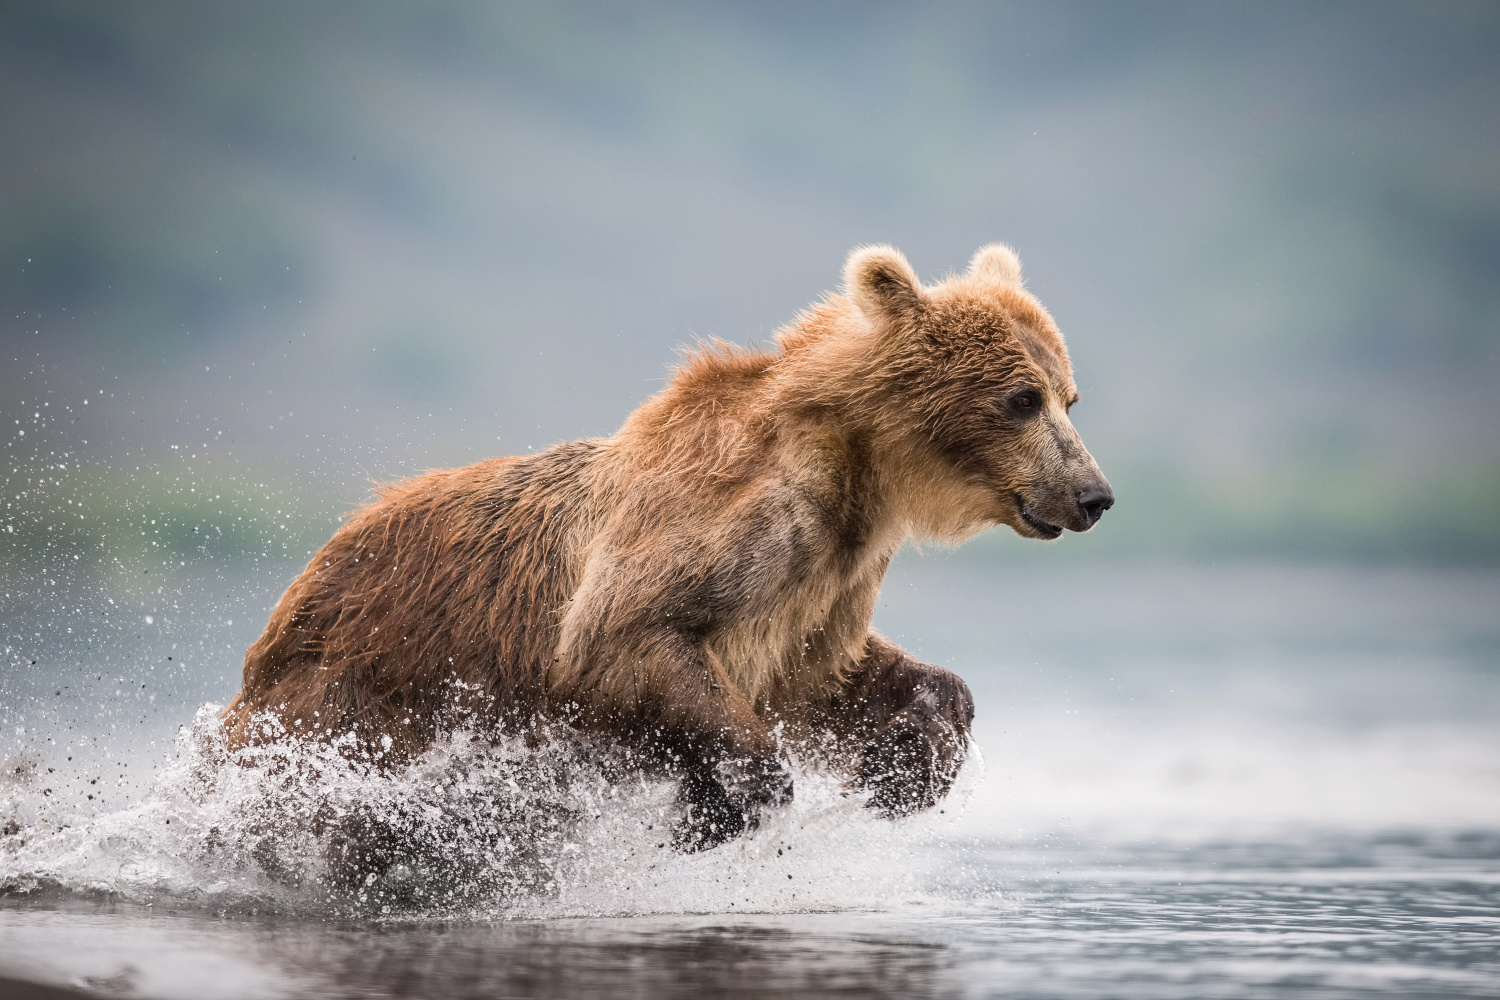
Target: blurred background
{"points": [[255, 257]]}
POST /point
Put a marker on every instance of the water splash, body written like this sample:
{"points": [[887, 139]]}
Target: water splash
{"points": [[478, 826]]}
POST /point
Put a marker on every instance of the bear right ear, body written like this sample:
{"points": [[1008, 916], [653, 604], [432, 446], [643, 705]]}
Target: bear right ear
{"points": [[998, 264], [883, 285]]}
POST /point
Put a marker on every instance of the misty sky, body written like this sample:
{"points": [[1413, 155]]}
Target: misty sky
{"points": [[319, 244]]}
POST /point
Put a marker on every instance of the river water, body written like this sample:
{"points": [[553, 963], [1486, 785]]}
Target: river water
{"points": [[1242, 781]]}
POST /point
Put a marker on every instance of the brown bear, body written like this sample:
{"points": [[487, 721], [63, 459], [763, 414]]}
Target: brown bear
{"points": [[697, 589]]}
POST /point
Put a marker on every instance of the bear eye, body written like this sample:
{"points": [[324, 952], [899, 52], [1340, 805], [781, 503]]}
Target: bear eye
{"points": [[1026, 400]]}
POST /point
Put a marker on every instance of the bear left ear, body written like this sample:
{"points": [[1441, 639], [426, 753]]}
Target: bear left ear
{"points": [[998, 264], [883, 285]]}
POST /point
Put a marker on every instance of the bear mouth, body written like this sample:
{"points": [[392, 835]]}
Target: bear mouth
{"points": [[1042, 528]]}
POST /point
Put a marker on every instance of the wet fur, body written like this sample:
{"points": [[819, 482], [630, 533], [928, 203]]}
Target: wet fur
{"points": [[709, 572]]}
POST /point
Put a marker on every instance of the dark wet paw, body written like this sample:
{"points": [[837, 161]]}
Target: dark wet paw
{"points": [[727, 803], [911, 763], [712, 817]]}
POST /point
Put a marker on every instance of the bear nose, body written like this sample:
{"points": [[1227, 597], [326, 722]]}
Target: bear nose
{"points": [[1093, 500]]}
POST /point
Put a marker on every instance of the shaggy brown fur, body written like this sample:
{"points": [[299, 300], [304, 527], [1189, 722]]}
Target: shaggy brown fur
{"points": [[709, 572]]}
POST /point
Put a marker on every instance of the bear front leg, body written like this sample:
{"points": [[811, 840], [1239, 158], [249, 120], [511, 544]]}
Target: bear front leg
{"points": [[725, 799], [667, 697], [727, 760], [910, 721]]}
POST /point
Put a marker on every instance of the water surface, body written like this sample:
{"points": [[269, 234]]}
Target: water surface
{"points": [[1201, 781]]}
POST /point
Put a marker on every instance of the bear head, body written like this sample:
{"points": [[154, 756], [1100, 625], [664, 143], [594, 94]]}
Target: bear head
{"points": [[973, 378]]}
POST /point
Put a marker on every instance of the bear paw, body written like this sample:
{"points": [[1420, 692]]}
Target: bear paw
{"points": [[912, 762], [726, 803]]}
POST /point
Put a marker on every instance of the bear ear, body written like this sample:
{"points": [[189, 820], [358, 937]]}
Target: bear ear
{"points": [[883, 285], [997, 264]]}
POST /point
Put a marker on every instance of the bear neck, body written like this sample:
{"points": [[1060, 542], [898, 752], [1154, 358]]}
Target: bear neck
{"points": [[815, 411], [834, 369]]}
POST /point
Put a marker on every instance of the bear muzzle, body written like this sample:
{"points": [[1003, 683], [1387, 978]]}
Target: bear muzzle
{"points": [[1079, 512]]}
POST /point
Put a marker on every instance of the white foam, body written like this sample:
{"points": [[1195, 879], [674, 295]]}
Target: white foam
{"points": [[482, 827]]}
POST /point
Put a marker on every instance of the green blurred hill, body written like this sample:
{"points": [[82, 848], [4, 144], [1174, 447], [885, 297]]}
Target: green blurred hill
{"points": [[351, 241]]}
